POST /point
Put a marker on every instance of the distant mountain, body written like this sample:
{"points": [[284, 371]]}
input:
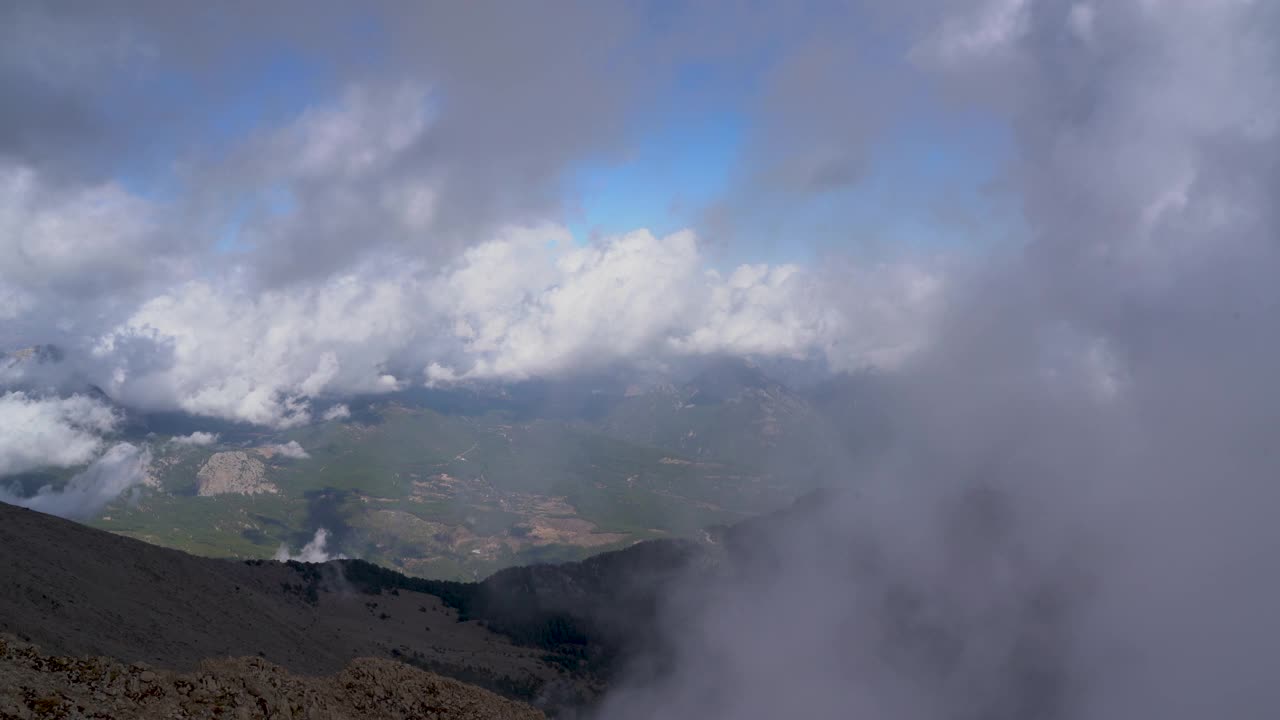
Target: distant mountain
{"points": [[730, 411]]}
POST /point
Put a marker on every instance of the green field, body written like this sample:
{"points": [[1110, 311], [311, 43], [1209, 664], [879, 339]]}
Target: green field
{"points": [[441, 495]]}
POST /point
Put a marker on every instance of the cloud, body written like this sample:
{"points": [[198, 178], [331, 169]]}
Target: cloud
{"points": [[75, 239], [232, 353], [51, 431], [527, 303], [255, 296], [313, 552], [291, 449], [121, 467], [519, 310], [989, 29], [1019, 544], [581, 306], [197, 438], [337, 412], [405, 148], [852, 315]]}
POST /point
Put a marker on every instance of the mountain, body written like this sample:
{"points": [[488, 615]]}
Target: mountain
{"points": [[732, 411], [555, 635], [550, 634], [76, 591]]}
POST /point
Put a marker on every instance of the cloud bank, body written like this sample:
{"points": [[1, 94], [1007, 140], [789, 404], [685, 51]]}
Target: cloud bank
{"points": [[508, 309]]}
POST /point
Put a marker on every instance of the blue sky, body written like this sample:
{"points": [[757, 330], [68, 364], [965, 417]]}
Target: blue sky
{"points": [[670, 174], [925, 184], [923, 187]]}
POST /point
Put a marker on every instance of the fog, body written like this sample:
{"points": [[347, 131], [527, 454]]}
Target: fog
{"points": [[114, 473], [1073, 515]]}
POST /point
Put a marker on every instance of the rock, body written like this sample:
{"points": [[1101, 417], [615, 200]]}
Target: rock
{"points": [[234, 472], [34, 685]]}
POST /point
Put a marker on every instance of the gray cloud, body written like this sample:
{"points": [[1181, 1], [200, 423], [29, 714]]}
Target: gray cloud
{"points": [[1072, 515], [515, 95], [51, 431]]}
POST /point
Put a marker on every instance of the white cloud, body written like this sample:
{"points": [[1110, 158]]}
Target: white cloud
{"points": [[257, 357], [13, 301], [291, 449], [520, 309], [337, 412], [358, 136], [313, 552], [528, 303], [197, 438], [43, 432], [75, 239], [120, 468]]}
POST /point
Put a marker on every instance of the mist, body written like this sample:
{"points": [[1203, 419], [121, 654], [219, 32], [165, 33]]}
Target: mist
{"points": [[1072, 514], [315, 551], [118, 470]]}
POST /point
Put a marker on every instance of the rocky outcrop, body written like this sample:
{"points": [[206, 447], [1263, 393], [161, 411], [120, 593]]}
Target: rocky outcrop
{"points": [[34, 686], [233, 472]]}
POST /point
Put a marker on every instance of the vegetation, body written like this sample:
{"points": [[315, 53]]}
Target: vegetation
{"points": [[583, 614], [452, 496]]}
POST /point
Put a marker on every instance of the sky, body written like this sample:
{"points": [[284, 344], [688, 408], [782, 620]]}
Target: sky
{"points": [[231, 214], [1049, 224]]}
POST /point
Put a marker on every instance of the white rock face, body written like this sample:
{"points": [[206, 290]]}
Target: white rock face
{"points": [[233, 472]]}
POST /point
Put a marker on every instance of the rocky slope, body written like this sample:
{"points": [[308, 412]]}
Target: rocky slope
{"points": [[35, 685], [233, 472], [77, 591]]}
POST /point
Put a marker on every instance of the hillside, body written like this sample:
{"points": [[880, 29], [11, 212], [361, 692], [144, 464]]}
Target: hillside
{"points": [[37, 685], [76, 591], [552, 635]]}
